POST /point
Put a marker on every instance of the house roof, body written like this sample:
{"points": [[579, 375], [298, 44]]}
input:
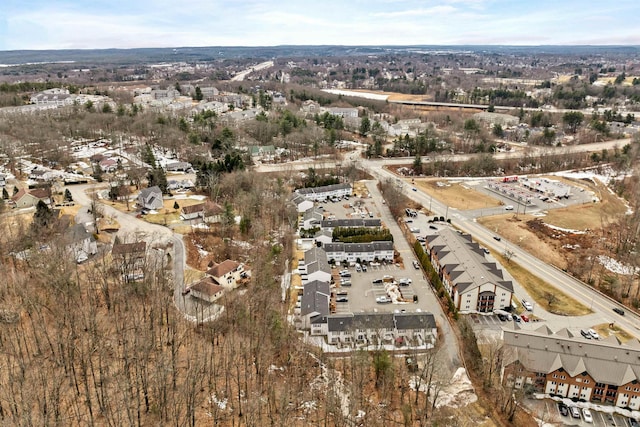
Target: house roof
{"points": [[193, 208], [207, 286], [324, 189], [77, 233], [316, 260], [212, 208], [315, 298], [146, 192], [128, 248], [544, 351], [407, 321], [464, 261], [40, 193], [359, 247], [351, 223], [223, 268]]}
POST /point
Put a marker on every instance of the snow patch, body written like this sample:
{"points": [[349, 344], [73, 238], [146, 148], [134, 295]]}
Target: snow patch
{"points": [[566, 230], [617, 267]]}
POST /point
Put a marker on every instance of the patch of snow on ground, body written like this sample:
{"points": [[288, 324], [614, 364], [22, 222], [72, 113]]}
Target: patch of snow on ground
{"points": [[366, 95], [201, 251], [566, 230], [615, 266], [331, 379], [197, 197], [458, 393], [591, 175], [221, 403]]}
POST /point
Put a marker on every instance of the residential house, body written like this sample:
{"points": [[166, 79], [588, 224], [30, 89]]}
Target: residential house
{"points": [[417, 330], [3, 180], [177, 167], [312, 218], [323, 237], [263, 153], [497, 118], [80, 243], [315, 302], [188, 213], [354, 252], [108, 165], [207, 289], [52, 97], [130, 259], [27, 199], [228, 273], [331, 224], [342, 112], [213, 212], [314, 266], [326, 192], [151, 198], [301, 203], [567, 365], [475, 284]]}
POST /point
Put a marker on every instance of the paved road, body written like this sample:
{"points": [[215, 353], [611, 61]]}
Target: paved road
{"points": [[450, 343], [151, 233], [600, 304]]}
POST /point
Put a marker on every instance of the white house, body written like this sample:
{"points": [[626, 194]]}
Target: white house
{"points": [[150, 198], [352, 252], [207, 289], [314, 266], [312, 218], [192, 212], [331, 224], [228, 273], [301, 203], [80, 243], [326, 192]]}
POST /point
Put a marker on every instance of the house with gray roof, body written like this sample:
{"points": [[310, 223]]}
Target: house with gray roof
{"points": [[330, 224], [565, 364], [326, 192], [312, 218], [353, 252], [315, 301], [150, 198], [301, 203], [475, 284], [314, 266], [79, 243]]}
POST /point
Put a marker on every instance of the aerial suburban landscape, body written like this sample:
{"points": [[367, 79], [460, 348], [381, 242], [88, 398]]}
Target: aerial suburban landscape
{"points": [[297, 233]]}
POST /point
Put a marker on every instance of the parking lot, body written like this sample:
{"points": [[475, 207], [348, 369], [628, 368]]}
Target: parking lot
{"points": [[600, 419], [362, 292]]}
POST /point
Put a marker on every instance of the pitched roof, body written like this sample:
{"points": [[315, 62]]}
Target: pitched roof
{"points": [[207, 286], [315, 298], [351, 223], [77, 233], [465, 262], [359, 247], [223, 268], [322, 190], [605, 361], [193, 208], [406, 321], [146, 192], [40, 193]]}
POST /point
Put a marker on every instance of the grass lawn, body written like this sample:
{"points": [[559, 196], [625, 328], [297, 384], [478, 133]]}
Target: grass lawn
{"points": [[540, 291], [605, 331], [456, 195]]}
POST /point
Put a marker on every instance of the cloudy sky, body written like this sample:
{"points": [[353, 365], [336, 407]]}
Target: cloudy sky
{"points": [[64, 24]]}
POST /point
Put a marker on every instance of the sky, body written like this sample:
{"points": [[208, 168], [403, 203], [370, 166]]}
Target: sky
{"points": [[96, 24]]}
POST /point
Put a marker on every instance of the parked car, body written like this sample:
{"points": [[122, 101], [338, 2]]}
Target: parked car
{"points": [[585, 334], [404, 281], [564, 411], [346, 283], [619, 311], [358, 268], [342, 299], [416, 265], [342, 293], [383, 300], [586, 414], [524, 317], [377, 281], [593, 334], [345, 273], [633, 422], [517, 318], [527, 305], [433, 227], [575, 412], [502, 317], [364, 267]]}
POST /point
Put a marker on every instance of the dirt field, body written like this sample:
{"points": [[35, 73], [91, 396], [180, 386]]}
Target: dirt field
{"points": [[605, 330], [456, 195]]}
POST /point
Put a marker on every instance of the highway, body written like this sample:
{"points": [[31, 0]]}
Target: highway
{"points": [[599, 303]]}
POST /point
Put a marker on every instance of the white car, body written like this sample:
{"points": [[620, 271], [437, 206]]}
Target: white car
{"points": [[404, 281], [383, 300], [586, 414], [527, 305], [593, 334], [508, 208]]}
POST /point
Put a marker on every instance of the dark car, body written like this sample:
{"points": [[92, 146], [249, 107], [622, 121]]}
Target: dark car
{"points": [[619, 311], [585, 334], [502, 317], [186, 291], [564, 411], [498, 238], [633, 422]]}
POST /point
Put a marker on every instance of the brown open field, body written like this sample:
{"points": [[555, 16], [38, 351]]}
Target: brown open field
{"points": [[541, 291], [456, 195], [604, 330]]}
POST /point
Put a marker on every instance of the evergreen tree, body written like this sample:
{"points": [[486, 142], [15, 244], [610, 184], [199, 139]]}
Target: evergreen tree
{"points": [[43, 216], [5, 193], [67, 196]]}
